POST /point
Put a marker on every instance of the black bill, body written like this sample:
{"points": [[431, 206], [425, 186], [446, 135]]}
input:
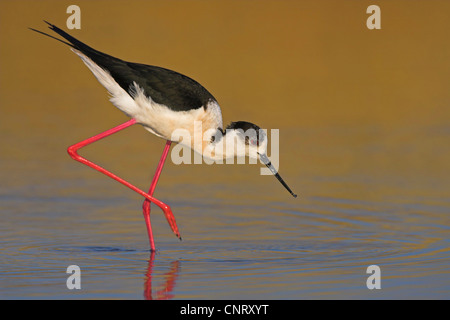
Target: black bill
{"points": [[269, 165]]}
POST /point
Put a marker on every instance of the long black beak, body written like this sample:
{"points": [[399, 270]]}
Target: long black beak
{"points": [[269, 165]]}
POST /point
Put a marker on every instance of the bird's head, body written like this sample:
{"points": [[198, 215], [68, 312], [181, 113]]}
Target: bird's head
{"points": [[250, 140]]}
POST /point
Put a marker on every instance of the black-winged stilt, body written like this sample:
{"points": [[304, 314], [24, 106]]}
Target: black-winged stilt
{"points": [[163, 101]]}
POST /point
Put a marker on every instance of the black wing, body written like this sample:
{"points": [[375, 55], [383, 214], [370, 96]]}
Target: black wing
{"points": [[178, 92]]}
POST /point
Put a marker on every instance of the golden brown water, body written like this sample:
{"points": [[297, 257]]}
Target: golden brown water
{"points": [[364, 135]]}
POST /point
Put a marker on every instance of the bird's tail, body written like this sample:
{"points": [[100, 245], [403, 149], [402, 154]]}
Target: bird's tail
{"points": [[102, 66], [72, 42]]}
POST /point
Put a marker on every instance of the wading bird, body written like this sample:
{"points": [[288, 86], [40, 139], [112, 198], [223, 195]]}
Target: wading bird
{"points": [[163, 101]]}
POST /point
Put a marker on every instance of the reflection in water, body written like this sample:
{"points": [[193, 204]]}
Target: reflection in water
{"points": [[166, 292]]}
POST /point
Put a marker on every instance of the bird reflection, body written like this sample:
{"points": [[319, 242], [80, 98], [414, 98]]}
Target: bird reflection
{"points": [[170, 278]]}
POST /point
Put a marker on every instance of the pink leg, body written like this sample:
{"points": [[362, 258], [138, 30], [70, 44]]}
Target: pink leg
{"points": [[72, 150], [146, 204]]}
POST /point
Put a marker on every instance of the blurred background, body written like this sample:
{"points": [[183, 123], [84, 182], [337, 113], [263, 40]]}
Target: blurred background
{"points": [[364, 135]]}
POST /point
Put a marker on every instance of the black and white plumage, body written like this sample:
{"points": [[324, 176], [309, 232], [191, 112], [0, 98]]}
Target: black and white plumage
{"points": [[163, 101]]}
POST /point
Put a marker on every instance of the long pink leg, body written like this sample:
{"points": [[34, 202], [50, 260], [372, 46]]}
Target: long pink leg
{"points": [[72, 150], [146, 205]]}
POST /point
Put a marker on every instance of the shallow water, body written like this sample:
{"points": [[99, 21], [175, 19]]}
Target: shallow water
{"points": [[240, 240], [372, 179]]}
